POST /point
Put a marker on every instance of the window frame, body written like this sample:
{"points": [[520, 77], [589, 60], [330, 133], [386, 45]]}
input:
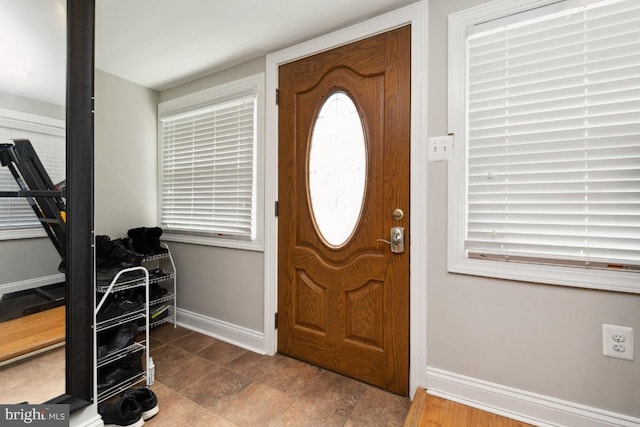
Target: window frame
{"points": [[31, 122], [457, 260], [197, 100]]}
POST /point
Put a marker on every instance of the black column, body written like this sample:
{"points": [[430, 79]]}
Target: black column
{"points": [[80, 226]]}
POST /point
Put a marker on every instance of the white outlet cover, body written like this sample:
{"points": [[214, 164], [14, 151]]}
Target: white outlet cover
{"points": [[608, 342]]}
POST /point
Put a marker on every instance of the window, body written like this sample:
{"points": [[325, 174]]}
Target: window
{"points": [[545, 107], [47, 135], [209, 163]]}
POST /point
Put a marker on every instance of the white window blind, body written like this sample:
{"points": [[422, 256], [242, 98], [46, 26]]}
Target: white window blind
{"points": [[553, 138], [208, 170], [48, 139]]}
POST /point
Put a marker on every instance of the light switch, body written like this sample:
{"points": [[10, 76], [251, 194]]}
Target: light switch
{"points": [[440, 148]]}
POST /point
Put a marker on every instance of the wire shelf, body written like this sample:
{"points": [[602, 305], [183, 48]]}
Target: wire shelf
{"points": [[121, 320], [117, 355], [165, 298], [156, 257], [122, 386]]}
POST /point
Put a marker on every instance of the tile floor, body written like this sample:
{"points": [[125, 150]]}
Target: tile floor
{"points": [[202, 381], [35, 379]]}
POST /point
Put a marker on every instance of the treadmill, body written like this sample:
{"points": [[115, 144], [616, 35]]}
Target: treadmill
{"points": [[46, 200]]}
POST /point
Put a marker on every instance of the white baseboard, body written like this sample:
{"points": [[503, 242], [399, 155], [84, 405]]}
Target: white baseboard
{"points": [[31, 283], [95, 421], [518, 404], [233, 334]]}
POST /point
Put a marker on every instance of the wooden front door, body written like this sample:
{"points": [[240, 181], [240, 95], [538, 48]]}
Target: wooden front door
{"points": [[343, 302]]}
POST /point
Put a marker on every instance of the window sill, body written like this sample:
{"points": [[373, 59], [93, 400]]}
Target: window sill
{"points": [[617, 281], [26, 233], [211, 241]]}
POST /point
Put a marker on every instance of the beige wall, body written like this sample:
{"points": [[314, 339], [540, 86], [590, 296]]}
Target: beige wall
{"points": [[27, 259], [539, 338], [245, 69], [125, 155], [28, 105], [219, 283], [222, 284]]}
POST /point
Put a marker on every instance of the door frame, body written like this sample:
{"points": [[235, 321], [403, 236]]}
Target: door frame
{"points": [[417, 15]]}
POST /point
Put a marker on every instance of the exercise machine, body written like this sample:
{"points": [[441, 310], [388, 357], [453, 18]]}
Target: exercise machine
{"points": [[45, 198]]}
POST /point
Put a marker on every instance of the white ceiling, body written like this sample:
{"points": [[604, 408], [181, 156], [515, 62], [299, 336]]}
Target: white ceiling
{"points": [[33, 49], [162, 43]]}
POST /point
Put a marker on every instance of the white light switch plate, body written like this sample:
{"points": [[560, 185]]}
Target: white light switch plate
{"points": [[440, 148]]}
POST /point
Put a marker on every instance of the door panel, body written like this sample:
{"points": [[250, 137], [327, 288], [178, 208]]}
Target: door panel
{"points": [[345, 307]]}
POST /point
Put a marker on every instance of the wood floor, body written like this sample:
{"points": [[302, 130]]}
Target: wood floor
{"points": [[28, 334], [431, 411]]}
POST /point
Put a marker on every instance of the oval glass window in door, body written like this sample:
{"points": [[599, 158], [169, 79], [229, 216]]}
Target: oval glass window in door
{"points": [[337, 169]]}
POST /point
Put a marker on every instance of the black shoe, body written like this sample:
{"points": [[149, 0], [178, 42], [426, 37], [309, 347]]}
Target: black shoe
{"points": [[153, 240], [115, 253], [123, 252], [157, 273], [138, 239], [104, 276], [146, 399], [114, 373], [103, 250], [158, 313], [156, 292], [128, 302], [126, 412], [116, 339]]}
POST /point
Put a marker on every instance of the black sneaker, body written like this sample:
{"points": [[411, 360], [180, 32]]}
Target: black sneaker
{"points": [[121, 370], [116, 339], [123, 303], [146, 399], [158, 313], [126, 412], [156, 292]]}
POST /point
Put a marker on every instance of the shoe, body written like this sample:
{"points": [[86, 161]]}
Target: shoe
{"points": [[146, 399], [157, 273], [115, 253], [103, 250], [153, 240], [156, 292], [126, 412], [116, 372], [158, 313], [130, 276], [116, 339], [119, 306], [105, 276], [123, 252], [138, 240]]}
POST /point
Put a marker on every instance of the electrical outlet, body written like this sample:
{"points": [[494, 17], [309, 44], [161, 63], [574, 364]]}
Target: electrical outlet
{"points": [[617, 337], [617, 341], [620, 348], [440, 147]]}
